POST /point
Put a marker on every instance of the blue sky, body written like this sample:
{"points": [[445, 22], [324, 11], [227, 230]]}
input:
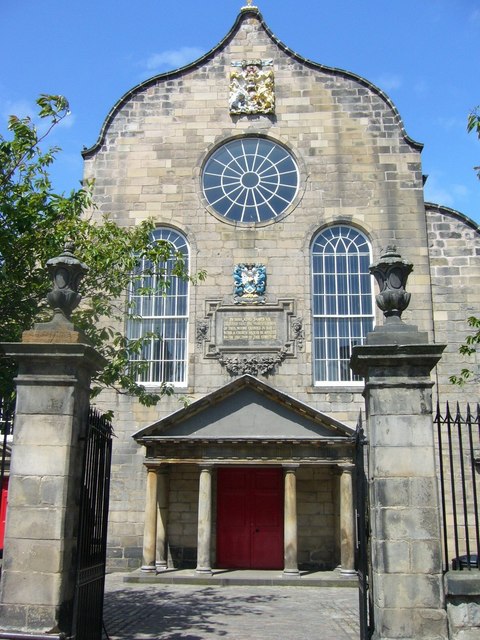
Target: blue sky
{"points": [[423, 53]]}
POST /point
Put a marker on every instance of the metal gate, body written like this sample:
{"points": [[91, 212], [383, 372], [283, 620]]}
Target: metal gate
{"points": [[7, 411], [92, 538], [362, 538]]}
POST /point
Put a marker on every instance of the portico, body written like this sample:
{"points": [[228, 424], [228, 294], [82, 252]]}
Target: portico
{"points": [[248, 477]]}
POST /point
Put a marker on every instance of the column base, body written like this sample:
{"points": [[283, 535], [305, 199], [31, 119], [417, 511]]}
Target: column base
{"points": [[148, 568], [161, 566], [291, 573], [203, 571], [347, 572]]}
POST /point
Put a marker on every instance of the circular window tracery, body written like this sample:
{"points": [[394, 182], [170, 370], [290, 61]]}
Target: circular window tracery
{"points": [[250, 180]]}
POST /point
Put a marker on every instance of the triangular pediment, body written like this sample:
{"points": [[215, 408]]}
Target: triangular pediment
{"points": [[246, 409]]}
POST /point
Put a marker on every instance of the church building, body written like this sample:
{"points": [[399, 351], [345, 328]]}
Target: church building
{"points": [[284, 180]]}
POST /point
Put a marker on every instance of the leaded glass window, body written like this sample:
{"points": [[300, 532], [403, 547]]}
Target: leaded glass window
{"points": [[343, 310], [162, 315]]}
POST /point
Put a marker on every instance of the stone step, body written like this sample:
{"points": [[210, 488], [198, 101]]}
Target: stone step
{"points": [[244, 578]]}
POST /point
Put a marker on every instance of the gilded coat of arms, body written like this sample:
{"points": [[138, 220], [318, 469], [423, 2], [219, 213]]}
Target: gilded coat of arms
{"points": [[252, 88], [250, 281]]}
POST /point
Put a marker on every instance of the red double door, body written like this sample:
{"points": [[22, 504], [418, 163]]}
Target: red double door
{"points": [[249, 518]]}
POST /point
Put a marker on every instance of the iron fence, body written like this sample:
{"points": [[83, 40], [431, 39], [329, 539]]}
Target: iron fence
{"points": [[458, 444]]}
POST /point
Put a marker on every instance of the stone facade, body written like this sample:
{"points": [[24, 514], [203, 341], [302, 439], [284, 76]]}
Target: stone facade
{"points": [[357, 167], [454, 258]]}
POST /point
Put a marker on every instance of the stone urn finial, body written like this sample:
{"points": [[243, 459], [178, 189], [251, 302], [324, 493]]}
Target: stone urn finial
{"points": [[391, 274], [66, 272]]}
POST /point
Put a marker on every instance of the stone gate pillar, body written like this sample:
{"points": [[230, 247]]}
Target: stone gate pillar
{"points": [[38, 575], [53, 384], [396, 362]]}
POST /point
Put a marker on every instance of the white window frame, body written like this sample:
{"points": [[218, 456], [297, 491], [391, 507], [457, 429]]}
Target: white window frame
{"points": [[341, 316], [164, 314]]}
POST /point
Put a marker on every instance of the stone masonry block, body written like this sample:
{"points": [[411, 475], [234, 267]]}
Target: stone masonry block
{"points": [[42, 618], [40, 460], [391, 492], [33, 555], [13, 617], [387, 462], [399, 402], [400, 431], [59, 400], [45, 523], [407, 524], [404, 591], [35, 588], [393, 556], [426, 557], [52, 430]]}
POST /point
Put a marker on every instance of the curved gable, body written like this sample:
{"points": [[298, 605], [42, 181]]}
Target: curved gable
{"points": [[251, 25]]}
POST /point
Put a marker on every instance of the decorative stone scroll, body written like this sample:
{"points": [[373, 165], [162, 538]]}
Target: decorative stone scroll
{"points": [[251, 339], [253, 365], [252, 87], [201, 331]]}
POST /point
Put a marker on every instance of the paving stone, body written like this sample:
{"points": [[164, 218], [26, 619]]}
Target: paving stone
{"points": [[197, 612]]}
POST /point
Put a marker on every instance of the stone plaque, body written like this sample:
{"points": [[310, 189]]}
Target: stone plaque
{"points": [[252, 339], [250, 329]]}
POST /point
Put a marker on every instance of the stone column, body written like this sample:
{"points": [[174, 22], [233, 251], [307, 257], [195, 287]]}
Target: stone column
{"points": [[290, 522], [204, 521], [150, 527], [38, 577], [347, 528], [404, 507], [162, 518]]}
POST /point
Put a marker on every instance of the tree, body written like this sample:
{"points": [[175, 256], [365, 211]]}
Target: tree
{"points": [[35, 225], [473, 340], [473, 124]]}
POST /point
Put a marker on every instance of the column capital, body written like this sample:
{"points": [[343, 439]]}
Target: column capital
{"points": [[290, 466], [346, 467]]}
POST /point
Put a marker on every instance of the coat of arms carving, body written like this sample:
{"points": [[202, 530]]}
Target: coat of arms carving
{"points": [[252, 88], [250, 281]]}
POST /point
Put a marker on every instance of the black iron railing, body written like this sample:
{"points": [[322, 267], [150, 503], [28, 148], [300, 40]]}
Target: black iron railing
{"points": [[458, 443]]}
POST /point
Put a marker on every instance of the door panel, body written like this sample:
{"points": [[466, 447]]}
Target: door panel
{"points": [[250, 518], [232, 512]]}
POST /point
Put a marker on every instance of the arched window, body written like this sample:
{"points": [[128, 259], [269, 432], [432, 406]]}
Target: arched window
{"points": [[342, 301], [162, 315]]}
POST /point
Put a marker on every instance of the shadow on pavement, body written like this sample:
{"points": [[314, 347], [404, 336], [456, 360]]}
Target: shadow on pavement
{"points": [[159, 613]]}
